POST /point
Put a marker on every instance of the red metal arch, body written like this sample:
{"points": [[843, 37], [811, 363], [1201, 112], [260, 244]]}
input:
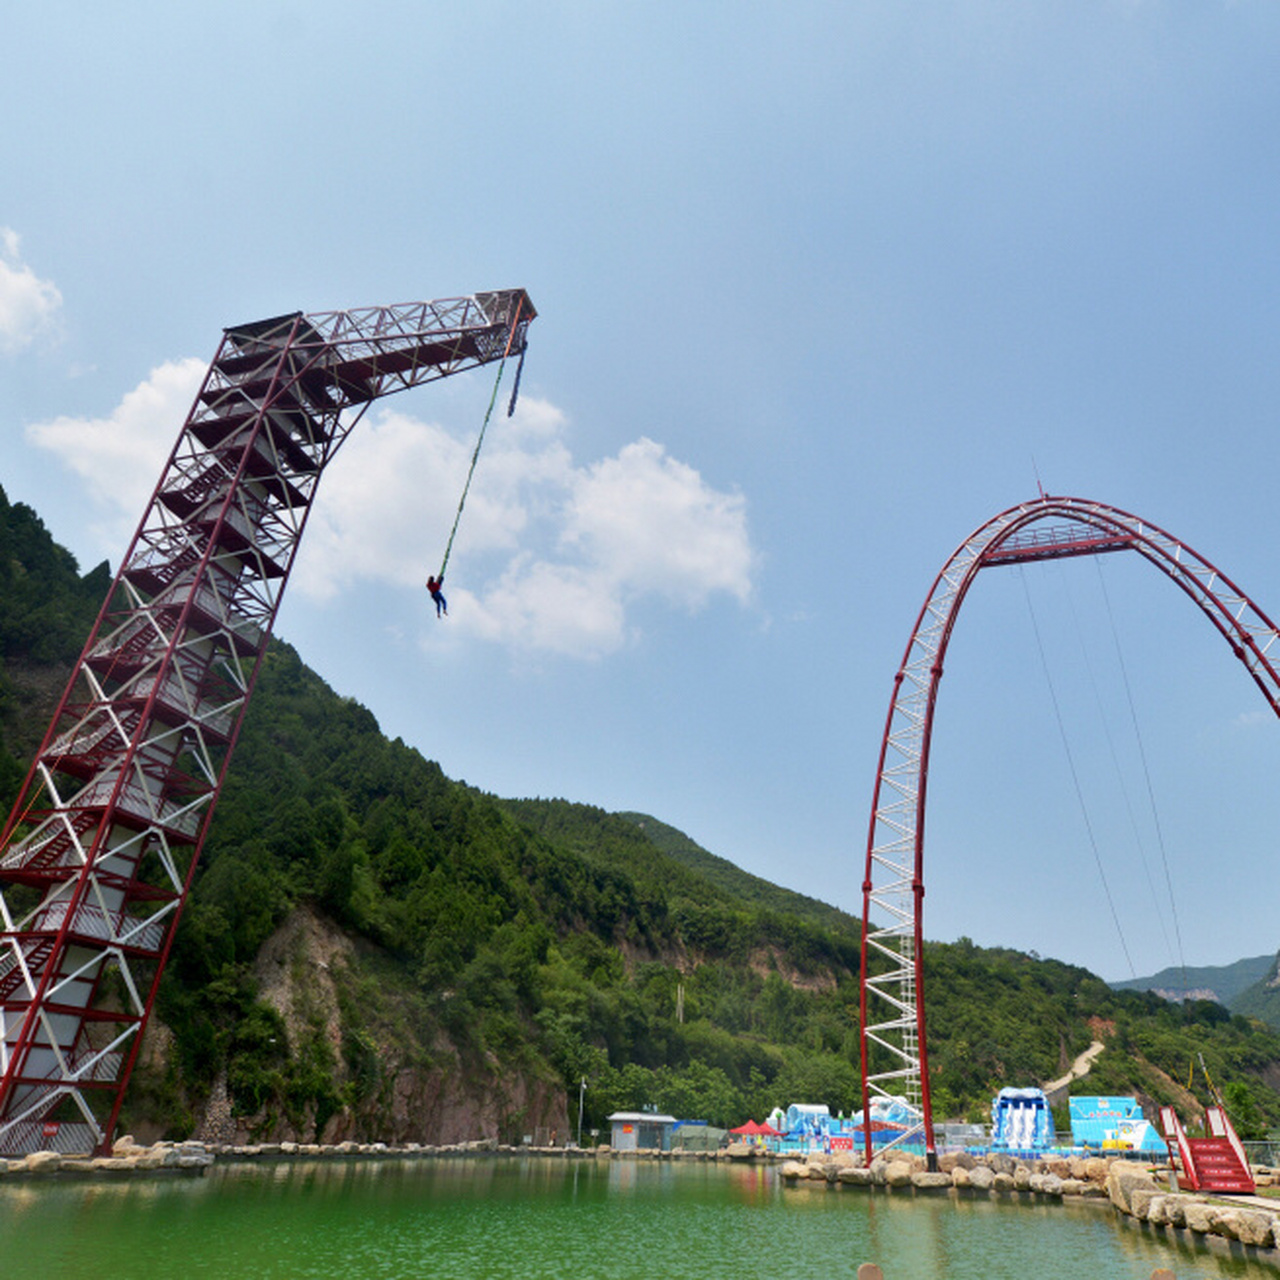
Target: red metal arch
{"points": [[893, 883]]}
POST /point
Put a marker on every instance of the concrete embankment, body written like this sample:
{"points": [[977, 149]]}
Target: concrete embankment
{"points": [[1133, 1189]]}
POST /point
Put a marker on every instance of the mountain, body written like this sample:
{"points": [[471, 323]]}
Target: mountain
{"points": [[1262, 999], [1222, 983], [723, 873], [372, 950]]}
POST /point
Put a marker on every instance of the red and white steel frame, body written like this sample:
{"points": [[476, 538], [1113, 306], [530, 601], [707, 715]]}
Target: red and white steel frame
{"points": [[892, 1007], [99, 851]]}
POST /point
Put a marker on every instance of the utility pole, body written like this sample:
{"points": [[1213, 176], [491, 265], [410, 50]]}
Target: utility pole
{"points": [[582, 1090]]}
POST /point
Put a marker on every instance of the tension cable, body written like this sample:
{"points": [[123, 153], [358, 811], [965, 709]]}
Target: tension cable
{"points": [[484, 426]]}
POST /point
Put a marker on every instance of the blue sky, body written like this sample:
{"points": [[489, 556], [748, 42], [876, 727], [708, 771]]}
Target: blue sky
{"points": [[821, 288]]}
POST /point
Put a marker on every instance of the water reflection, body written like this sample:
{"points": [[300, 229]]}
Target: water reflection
{"points": [[529, 1218]]}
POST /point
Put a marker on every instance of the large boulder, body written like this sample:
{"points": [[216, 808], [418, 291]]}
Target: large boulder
{"points": [[1141, 1199], [854, 1176], [982, 1178], [1123, 1180], [43, 1162], [898, 1174], [923, 1180], [1199, 1216], [1158, 1209], [1249, 1226]]}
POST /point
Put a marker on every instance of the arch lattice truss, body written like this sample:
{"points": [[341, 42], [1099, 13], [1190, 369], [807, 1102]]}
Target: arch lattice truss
{"points": [[894, 1045], [98, 854]]}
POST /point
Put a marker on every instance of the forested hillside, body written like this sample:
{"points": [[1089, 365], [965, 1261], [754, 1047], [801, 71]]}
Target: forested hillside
{"points": [[722, 872], [373, 950], [46, 610], [1262, 999]]}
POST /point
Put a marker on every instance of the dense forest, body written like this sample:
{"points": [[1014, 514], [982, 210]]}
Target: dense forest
{"points": [[475, 941]]}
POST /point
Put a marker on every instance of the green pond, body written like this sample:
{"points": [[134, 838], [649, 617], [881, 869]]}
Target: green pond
{"points": [[522, 1219]]}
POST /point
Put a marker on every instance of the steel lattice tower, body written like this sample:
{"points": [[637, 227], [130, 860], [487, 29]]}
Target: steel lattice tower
{"points": [[99, 852]]}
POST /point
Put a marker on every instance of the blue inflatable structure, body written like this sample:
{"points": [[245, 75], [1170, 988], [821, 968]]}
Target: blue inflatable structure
{"points": [[1113, 1124], [1021, 1121]]}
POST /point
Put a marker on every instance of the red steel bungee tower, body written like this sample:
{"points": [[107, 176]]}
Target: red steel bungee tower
{"points": [[99, 851]]}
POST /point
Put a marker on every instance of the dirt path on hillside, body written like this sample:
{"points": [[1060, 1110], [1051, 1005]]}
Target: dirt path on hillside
{"points": [[1080, 1067]]}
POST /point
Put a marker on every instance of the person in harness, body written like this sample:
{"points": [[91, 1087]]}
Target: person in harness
{"points": [[436, 587]]}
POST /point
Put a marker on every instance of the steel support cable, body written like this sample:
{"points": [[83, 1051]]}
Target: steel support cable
{"points": [[1111, 743], [1075, 777], [1146, 774], [484, 426]]}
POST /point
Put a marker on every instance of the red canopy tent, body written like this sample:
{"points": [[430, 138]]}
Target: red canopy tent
{"points": [[750, 1129]]}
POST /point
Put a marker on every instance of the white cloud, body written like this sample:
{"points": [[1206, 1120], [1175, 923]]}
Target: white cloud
{"points": [[540, 605], [651, 524], [1249, 720], [549, 556], [28, 305], [119, 457]]}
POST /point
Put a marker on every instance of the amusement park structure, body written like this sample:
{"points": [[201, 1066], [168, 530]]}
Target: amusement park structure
{"points": [[895, 1060], [98, 854]]}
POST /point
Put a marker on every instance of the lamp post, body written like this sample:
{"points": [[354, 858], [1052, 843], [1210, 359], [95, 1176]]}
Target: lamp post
{"points": [[582, 1089]]}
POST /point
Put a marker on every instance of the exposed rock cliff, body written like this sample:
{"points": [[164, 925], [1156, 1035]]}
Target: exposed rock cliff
{"points": [[395, 1076]]}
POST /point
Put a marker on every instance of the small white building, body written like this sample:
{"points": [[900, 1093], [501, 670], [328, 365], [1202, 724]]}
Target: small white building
{"points": [[640, 1131]]}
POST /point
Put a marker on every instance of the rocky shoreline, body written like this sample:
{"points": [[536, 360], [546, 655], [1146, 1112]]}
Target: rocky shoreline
{"points": [[1132, 1188], [128, 1157]]}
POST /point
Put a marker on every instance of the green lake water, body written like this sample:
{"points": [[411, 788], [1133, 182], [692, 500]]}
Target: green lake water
{"points": [[524, 1219]]}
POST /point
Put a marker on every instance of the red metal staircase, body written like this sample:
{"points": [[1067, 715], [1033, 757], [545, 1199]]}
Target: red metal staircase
{"points": [[1214, 1163]]}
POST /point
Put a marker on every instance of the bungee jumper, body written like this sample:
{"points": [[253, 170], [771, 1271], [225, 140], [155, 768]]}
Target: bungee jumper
{"points": [[435, 585]]}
